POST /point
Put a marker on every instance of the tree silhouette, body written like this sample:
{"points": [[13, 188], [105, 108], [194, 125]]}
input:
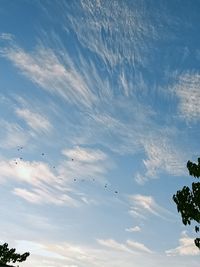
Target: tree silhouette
{"points": [[188, 200], [8, 255]]}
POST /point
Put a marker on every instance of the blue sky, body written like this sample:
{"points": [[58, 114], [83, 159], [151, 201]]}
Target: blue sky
{"points": [[99, 114]]}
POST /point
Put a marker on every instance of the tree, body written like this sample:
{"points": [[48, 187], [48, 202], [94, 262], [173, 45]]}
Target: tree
{"points": [[8, 255], [188, 200]]}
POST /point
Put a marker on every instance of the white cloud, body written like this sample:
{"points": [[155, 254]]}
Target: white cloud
{"points": [[162, 156], [133, 229], [129, 246], [187, 90], [112, 244], [146, 203], [35, 120], [42, 181], [40, 196], [138, 246], [46, 69], [6, 36], [70, 254], [33, 173], [186, 247], [85, 154], [140, 179], [12, 135], [85, 163], [36, 248], [142, 205], [98, 21]]}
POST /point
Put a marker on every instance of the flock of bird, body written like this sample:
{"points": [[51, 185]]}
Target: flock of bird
{"points": [[75, 179]]}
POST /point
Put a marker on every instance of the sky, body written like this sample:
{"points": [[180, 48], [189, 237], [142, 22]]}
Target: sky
{"points": [[100, 113]]}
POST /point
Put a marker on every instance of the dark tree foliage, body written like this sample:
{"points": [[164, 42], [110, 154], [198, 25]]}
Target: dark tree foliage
{"points": [[188, 200], [8, 255]]}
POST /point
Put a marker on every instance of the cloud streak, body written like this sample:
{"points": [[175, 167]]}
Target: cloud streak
{"points": [[143, 206], [133, 229], [38, 184], [161, 156], [45, 68], [34, 120]]}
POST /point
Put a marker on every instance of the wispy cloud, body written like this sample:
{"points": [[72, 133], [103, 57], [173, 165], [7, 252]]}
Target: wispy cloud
{"points": [[33, 173], [85, 154], [46, 69], [112, 244], [38, 184], [133, 229], [100, 22], [43, 196], [142, 206], [71, 254], [129, 246], [186, 247], [36, 249], [138, 246], [12, 135], [36, 121], [186, 89], [162, 156], [6, 36], [86, 163]]}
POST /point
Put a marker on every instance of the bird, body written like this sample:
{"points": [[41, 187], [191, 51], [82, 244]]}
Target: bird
{"points": [[74, 180], [72, 159], [42, 154], [116, 192]]}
